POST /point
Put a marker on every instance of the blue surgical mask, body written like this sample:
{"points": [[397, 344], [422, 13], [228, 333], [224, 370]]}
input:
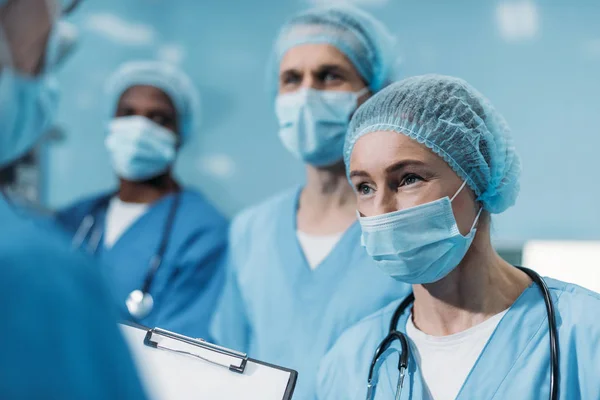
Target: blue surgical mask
{"points": [[28, 106], [417, 245], [139, 148], [313, 123]]}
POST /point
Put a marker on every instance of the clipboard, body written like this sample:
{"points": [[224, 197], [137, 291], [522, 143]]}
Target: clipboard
{"points": [[174, 366]]}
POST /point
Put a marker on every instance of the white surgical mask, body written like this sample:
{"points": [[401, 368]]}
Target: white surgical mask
{"points": [[139, 148], [313, 123], [417, 245]]}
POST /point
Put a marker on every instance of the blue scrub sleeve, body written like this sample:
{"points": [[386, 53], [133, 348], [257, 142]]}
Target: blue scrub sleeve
{"points": [[193, 290]]}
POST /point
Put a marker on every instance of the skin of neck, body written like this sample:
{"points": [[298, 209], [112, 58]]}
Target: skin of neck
{"points": [[147, 191], [327, 203], [481, 286]]}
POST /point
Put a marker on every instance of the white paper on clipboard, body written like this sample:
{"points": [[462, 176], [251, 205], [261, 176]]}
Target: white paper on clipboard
{"points": [[174, 375]]}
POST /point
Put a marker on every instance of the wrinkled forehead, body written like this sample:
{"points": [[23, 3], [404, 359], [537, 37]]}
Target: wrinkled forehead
{"points": [[379, 150], [344, 40], [383, 153], [304, 33], [314, 57]]}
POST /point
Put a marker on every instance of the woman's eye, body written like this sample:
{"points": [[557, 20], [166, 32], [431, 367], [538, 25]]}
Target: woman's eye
{"points": [[364, 189], [411, 180]]}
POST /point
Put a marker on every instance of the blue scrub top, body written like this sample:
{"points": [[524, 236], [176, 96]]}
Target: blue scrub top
{"points": [[515, 363], [58, 333], [186, 287], [275, 308]]}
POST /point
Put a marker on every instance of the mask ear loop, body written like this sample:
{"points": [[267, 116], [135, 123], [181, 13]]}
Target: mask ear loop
{"points": [[480, 208], [458, 191], [477, 218]]}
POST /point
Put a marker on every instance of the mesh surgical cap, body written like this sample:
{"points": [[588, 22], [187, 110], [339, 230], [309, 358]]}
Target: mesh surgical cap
{"points": [[361, 38], [166, 77], [457, 123]]}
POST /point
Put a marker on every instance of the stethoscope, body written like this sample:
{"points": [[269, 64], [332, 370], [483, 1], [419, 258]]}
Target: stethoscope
{"points": [[394, 334], [139, 302]]}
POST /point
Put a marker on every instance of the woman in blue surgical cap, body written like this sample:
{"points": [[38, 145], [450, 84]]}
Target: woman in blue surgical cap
{"points": [[297, 276], [162, 245], [58, 326], [431, 160]]}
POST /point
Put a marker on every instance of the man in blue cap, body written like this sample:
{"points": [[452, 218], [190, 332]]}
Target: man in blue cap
{"points": [[296, 276]]}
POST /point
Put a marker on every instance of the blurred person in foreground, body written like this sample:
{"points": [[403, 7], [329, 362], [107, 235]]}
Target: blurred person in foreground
{"points": [[57, 321]]}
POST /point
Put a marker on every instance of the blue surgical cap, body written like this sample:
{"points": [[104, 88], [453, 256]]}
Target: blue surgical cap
{"points": [[457, 123], [360, 37], [166, 77]]}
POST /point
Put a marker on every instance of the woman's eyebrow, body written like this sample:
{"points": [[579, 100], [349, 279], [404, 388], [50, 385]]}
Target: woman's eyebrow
{"points": [[403, 164], [359, 173], [392, 168]]}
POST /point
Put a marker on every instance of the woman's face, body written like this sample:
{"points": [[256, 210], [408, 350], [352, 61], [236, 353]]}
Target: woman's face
{"points": [[149, 102], [391, 172], [320, 67]]}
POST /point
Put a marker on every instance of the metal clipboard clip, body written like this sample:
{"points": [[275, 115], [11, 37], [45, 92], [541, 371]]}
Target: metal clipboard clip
{"points": [[199, 348]]}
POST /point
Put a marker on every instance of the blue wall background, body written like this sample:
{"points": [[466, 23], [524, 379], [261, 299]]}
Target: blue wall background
{"points": [[538, 61]]}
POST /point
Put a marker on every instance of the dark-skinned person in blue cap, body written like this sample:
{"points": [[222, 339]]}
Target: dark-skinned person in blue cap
{"points": [[161, 244]]}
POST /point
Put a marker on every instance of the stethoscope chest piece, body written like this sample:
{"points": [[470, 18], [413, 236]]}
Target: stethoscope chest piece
{"points": [[139, 304]]}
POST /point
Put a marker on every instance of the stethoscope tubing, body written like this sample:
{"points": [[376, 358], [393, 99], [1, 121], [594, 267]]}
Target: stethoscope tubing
{"points": [[394, 334], [86, 228]]}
